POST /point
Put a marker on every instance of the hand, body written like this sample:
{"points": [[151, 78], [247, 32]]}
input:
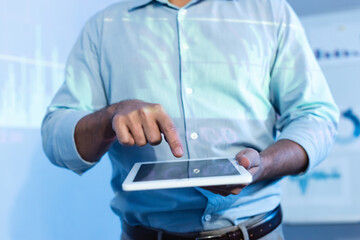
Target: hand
{"points": [[138, 122], [251, 160]]}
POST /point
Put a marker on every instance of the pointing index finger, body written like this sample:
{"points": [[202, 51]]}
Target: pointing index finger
{"points": [[167, 127]]}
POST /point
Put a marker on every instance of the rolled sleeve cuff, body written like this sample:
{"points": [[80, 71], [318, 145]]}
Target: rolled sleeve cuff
{"points": [[66, 153], [315, 137]]}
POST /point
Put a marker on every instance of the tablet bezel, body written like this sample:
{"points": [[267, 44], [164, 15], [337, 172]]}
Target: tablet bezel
{"points": [[244, 177]]}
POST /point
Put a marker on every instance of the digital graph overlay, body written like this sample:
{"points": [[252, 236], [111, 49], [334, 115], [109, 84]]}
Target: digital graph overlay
{"points": [[317, 176], [351, 117], [29, 84], [336, 54]]}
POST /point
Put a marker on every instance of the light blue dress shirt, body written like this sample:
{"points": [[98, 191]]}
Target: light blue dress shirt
{"points": [[231, 74]]}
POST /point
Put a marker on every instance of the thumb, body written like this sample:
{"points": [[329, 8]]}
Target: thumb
{"points": [[248, 158]]}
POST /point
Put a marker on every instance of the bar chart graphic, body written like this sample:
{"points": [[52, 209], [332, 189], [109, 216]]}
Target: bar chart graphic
{"points": [[27, 85]]}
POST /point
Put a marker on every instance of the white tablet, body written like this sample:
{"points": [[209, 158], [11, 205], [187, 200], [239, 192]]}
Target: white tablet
{"points": [[185, 173]]}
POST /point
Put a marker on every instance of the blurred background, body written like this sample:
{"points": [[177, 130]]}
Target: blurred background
{"points": [[43, 202]]}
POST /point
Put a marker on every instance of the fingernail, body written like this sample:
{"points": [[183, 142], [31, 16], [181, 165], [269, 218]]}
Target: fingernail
{"points": [[178, 151]]}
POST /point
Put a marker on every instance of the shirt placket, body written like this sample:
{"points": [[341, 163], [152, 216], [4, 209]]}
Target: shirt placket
{"points": [[187, 90], [188, 95]]}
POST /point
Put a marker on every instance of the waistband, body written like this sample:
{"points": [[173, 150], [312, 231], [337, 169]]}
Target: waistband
{"points": [[252, 230]]}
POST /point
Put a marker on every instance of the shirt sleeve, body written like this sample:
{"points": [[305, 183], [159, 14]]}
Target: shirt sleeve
{"points": [[300, 93], [81, 94]]}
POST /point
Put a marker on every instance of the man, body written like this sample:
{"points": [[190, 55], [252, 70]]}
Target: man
{"points": [[214, 78]]}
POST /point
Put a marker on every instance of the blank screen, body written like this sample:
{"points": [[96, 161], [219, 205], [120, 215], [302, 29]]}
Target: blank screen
{"points": [[186, 169]]}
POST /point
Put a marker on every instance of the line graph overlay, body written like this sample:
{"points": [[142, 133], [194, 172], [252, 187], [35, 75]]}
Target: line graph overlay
{"points": [[30, 83], [327, 185], [316, 176], [31, 61]]}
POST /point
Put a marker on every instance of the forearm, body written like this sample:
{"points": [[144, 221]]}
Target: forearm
{"points": [[94, 134], [283, 158], [130, 122]]}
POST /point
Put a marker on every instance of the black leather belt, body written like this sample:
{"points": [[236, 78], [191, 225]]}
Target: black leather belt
{"points": [[255, 232]]}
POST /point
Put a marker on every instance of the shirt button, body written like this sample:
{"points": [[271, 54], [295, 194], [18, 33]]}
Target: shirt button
{"points": [[207, 217], [185, 46], [194, 136], [181, 14], [188, 90], [183, 11]]}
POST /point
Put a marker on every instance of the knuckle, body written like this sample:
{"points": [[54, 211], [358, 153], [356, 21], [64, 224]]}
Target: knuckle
{"points": [[132, 116], [121, 120], [170, 128], [154, 140], [158, 107], [143, 112], [141, 143], [126, 142], [139, 136], [117, 118]]}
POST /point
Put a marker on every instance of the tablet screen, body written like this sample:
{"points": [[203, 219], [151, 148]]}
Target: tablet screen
{"points": [[185, 169]]}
